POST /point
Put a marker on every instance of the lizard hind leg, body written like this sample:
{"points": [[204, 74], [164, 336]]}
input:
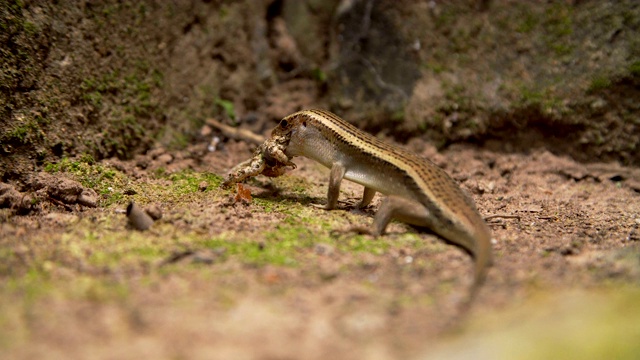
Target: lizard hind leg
{"points": [[396, 208]]}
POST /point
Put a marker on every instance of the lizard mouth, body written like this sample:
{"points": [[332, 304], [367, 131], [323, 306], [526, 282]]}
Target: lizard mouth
{"points": [[271, 161]]}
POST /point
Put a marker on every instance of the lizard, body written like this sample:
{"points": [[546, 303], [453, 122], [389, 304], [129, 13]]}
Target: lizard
{"points": [[418, 192]]}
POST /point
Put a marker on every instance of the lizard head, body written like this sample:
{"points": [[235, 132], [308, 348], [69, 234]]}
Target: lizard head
{"points": [[287, 128], [289, 132]]}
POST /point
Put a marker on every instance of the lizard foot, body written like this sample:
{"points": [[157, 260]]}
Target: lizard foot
{"points": [[324, 207], [358, 229], [319, 206]]}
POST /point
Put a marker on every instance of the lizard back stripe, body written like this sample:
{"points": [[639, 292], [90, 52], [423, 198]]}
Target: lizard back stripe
{"points": [[435, 188]]}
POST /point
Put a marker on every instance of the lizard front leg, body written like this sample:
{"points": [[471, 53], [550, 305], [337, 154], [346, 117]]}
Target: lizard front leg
{"points": [[333, 192], [367, 196]]}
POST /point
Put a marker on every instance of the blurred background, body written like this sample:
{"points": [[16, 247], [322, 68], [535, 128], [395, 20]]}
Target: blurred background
{"points": [[113, 78]]}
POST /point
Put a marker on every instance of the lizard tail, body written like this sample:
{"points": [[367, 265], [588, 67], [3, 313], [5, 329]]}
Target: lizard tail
{"points": [[483, 258]]}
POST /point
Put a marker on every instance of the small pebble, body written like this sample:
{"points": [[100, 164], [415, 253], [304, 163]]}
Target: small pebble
{"points": [[88, 197], [138, 219], [165, 158], [206, 130], [323, 249], [154, 211], [213, 145]]}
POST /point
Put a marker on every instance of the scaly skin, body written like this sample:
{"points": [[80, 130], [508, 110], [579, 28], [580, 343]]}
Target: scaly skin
{"points": [[418, 192]]}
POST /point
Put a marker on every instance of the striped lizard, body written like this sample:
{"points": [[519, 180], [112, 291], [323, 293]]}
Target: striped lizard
{"points": [[418, 192]]}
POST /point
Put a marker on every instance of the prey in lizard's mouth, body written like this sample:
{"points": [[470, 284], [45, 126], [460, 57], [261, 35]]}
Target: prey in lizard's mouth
{"points": [[269, 159]]}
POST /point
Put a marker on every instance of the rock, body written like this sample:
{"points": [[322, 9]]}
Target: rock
{"points": [[65, 190], [12, 198], [323, 249], [206, 130], [138, 219], [164, 158], [88, 197], [9, 196], [154, 211]]}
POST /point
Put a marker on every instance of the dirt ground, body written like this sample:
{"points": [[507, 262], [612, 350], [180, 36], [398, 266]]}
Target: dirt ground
{"points": [[209, 281], [532, 108]]}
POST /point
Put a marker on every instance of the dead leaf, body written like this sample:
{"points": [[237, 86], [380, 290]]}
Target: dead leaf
{"points": [[243, 194]]}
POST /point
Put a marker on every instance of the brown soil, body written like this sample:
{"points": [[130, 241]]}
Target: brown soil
{"points": [[92, 120], [565, 227]]}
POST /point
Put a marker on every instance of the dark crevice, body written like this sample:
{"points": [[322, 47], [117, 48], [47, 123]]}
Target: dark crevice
{"points": [[195, 21], [274, 10]]}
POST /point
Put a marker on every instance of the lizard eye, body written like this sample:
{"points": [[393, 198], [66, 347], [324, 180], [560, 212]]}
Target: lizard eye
{"points": [[284, 123]]}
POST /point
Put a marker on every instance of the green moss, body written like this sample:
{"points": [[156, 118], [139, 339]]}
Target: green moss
{"points": [[289, 243], [528, 22], [24, 132], [157, 77], [106, 181], [268, 206], [543, 99], [599, 83], [557, 25], [634, 69], [160, 172], [562, 49], [115, 187], [454, 92], [178, 141], [434, 67], [37, 285], [295, 184], [319, 75], [31, 286], [529, 96], [135, 253], [125, 97], [257, 253], [188, 181], [228, 107], [29, 28], [446, 18], [398, 115], [93, 98], [87, 159], [98, 290], [361, 243], [224, 12], [557, 20]]}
